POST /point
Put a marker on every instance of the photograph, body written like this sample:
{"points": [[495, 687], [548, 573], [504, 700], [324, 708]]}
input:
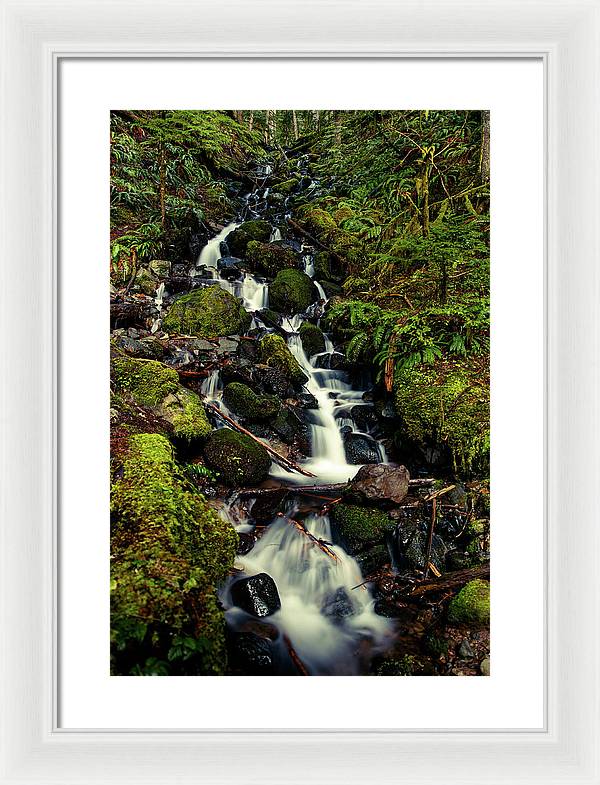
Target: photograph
{"points": [[300, 392]]}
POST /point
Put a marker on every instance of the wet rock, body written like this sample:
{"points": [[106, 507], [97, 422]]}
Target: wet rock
{"points": [[409, 547], [265, 508], [237, 241], [338, 362], [276, 354], [270, 258], [382, 483], [161, 268], [290, 427], [251, 654], [145, 282], [237, 371], [257, 595], [361, 448], [338, 606], [144, 348], [246, 543], [292, 291], [207, 312], [242, 400], [226, 345], [230, 267], [313, 340], [357, 528], [273, 380], [239, 459], [464, 651], [307, 400], [373, 559], [270, 318], [263, 629], [364, 416]]}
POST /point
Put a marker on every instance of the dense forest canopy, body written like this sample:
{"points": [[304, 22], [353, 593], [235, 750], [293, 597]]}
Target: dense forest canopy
{"points": [[394, 208]]}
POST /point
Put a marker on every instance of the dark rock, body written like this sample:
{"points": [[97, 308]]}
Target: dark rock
{"points": [[338, 605], [464, 651], [372, 559], [270, 318], [307, 400], [382, 483], [361, 448], [338, 362], [237, 371], [257, 595], [230, 267], [408, 543], [273, 380], [364, 416], [246, 543], [251, 654], [265, 508]]}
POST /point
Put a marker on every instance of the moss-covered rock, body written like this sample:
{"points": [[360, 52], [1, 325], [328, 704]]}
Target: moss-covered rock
{"points": [[292, 291], [286, 186], [472, 604], [275, 353], [152, 385], [238, 458], [447, 406], [270, 318], [161, 268], [207, 312], [242, 400], [313, 340], [270, 258], [145, 282], [169, 551], [357, 527], [238, 240]]}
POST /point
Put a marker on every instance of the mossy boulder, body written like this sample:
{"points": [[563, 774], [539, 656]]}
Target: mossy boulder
{"points": [[446, 407], [152, 385], [270, 258], [275, 353], [358, 527], [472, 604], [239, 459], [242, 400], [238, 240], [207, 312], [270, 318], [286, 187], [313, 340], [292, 291], [169, 551], [145, 282]]}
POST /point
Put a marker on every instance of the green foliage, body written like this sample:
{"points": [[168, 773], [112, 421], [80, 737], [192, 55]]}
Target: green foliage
{"points": [[403, 666], [206, 313], [472, 604], [275, 353]]}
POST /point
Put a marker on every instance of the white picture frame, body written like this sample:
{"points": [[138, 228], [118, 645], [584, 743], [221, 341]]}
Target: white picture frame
{"points": [[565, 35]]}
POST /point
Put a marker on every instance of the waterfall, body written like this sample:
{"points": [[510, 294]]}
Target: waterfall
{"points": [[211, 253]]}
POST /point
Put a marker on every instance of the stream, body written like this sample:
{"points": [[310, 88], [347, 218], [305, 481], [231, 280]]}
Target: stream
{"points": [[326, 618]]}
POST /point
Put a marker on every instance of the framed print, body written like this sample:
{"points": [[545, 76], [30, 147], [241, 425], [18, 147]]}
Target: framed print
{"points": [[300, 351]]}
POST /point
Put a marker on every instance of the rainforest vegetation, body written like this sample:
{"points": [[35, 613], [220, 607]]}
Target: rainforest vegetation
{"points": [[300, 341]]}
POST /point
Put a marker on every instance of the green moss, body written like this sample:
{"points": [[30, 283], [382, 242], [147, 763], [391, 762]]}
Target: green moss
{"points": [[169, 551], [145, 281], [244, 401], [238, 458], [356, 527], [292, 291], [447, 405], [286, 186], [404, 666], [238, 240], [207, 312], [313, 340], [151, 384], [472, 604], [317, 221], [275, 353], [147, 381], [269, 258]]}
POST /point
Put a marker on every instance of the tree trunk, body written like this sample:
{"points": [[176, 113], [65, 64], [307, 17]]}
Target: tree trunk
{"points": [[251, 121], [484, 155], [425, 191], [295, 125]]}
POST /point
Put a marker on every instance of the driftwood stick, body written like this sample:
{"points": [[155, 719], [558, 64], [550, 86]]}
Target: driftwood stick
{"points": [[302, 669], [450, 580], [285, 462], [319, 543]]}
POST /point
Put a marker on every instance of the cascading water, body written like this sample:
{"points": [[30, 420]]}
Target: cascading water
{"points": [[326, 613]]}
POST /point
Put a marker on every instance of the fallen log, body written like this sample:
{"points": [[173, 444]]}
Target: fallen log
{"points": [[334, 487], [285, 462], [450, 580], [125, 314]]}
